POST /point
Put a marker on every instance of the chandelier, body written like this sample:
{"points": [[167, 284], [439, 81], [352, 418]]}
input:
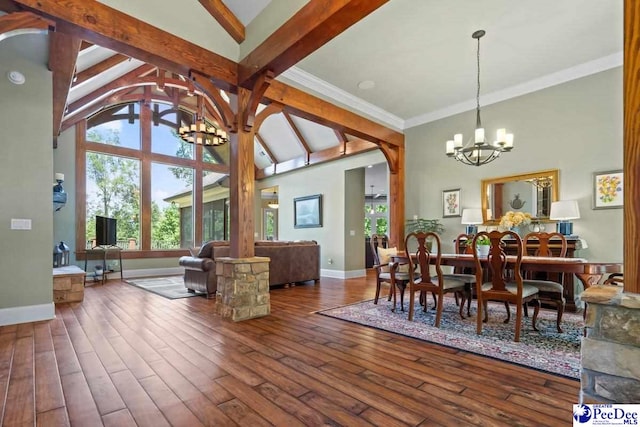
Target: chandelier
{"points": [[273, 204], [478, 151], [202, 132]]}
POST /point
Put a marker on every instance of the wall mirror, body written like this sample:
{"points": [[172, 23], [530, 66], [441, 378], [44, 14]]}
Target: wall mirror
{"points": [[530, 192]]}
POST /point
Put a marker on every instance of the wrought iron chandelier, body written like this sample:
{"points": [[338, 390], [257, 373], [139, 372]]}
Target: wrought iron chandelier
{"points": [[478, 151], [202, 132]]}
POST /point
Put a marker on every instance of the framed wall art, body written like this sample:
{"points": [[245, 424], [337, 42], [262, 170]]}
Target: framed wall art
{"points": [[307, 211], [451, 203], [608, 189]]}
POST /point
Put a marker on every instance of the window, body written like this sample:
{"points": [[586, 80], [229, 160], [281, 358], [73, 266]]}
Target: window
{"points": [[375, 216], [270, 226], [147, 182]]}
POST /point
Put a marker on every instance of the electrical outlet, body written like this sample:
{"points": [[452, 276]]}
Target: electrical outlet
{"points": [[330, 261]]}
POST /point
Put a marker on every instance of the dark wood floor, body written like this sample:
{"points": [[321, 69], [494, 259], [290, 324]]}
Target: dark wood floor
{"points": [[128, 357]]}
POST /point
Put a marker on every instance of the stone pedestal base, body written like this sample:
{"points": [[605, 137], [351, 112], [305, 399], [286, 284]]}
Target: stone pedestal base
{"points": [[68, 284], [243, 288], [611, 350]]}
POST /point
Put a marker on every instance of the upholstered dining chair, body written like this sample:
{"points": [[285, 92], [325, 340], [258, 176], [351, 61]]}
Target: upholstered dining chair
{"points": [[549, 291], [505, 281], [425, 255], [382, 254], [463, 245]]}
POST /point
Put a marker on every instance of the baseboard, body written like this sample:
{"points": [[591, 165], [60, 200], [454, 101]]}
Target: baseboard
{"points": [[27, 313], [147, 272], [340, 274]]}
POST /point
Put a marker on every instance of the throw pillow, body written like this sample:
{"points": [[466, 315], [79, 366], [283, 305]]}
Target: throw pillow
{"points": [[194, 251], [384, 255]]}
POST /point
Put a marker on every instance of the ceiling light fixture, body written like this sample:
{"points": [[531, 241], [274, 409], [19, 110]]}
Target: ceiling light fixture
{"points": [[201, 132], [16, 77], [478, 151], [372, 211], [273, 204]]}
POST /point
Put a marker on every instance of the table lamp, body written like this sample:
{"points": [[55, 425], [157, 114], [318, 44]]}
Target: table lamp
{"points": [[562, 211], [471, 217]]}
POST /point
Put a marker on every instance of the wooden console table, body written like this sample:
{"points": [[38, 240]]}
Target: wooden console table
{"points": [[68, 284]]}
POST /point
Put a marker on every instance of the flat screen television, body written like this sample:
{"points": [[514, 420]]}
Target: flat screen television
{"points": [[106, 231]]}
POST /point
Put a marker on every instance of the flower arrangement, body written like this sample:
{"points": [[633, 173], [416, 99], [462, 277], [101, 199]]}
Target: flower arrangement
{"points": [[515, 219]]}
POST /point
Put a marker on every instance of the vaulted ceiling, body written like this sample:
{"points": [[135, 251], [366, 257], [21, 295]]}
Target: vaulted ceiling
{"points": [[403, 64]]}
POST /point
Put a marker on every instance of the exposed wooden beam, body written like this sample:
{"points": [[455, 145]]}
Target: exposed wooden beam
{"points": [[111, 86], [63, 51], [299, 136], [213, 93], [24, 20], [266, 148], [310, 107], [311, 27], [97, 23], [8, 6], [260, 85], [225, 18], [357, 146], [342, 137], [85, 45], [98, 68]]}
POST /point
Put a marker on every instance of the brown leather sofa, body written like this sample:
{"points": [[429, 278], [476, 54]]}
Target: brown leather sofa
{"points": [[290, 262]]}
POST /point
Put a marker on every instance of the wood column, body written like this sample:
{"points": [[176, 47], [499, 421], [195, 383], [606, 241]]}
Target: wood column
{"points": [[631, 145], [242, 184]]}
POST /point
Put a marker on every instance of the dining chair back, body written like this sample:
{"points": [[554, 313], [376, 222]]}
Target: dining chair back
{"points": [[428, 254], [388, 272], [550, 287], [505, 280], [463, 245]]}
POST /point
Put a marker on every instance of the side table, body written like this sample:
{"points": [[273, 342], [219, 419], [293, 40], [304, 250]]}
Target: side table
{"points": [[103, 253]]}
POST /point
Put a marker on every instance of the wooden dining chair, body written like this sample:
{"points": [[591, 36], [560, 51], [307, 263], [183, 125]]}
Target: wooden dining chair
{"points": [[428, 253], [382, 254], [549, 291], [505, 281], [463, 245]]}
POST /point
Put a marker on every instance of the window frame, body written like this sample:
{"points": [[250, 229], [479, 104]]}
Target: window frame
{"points": [[146, 157]]}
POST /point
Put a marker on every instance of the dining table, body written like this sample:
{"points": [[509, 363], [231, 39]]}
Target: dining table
{"points": [[587, 272]]}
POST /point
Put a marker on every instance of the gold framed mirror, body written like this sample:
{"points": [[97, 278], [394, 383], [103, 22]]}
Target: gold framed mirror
{"points": [[530, 192]]}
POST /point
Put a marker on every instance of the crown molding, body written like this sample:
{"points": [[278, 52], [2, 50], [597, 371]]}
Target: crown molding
{"points": [[553, 79], [312, 82], [582, 70]]}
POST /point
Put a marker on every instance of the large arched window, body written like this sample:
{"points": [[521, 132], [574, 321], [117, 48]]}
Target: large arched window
{"points": [[133, 166]]}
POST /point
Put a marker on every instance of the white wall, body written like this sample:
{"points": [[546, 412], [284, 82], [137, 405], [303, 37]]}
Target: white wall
{"points": [[575, 127]]}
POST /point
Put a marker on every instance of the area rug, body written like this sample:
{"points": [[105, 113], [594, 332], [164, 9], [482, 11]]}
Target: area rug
{"points": [[169, 287], [546, 350]]}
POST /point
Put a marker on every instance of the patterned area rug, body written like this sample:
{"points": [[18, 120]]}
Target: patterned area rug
{"points": [[546, 350], [169, 287]]}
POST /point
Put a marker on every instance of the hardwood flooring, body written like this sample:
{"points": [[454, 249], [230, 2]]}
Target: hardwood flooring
{"points": [[126, 357]]}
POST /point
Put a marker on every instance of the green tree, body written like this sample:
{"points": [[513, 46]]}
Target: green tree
{"points": [[117, 193]]}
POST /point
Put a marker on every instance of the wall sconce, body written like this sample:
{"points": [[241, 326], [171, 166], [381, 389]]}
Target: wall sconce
{"points": [[471, 217], [59, 195]]}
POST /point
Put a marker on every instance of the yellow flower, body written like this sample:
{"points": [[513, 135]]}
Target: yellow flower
{"points": [[515, 219]]}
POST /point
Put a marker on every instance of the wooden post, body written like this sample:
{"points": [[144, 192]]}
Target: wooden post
{"points": [[631, 145]]}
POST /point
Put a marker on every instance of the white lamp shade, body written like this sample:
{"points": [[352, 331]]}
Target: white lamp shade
{"points": [[471, 216], [564, 210]]}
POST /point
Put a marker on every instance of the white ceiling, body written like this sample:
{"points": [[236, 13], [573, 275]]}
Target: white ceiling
{"points": [[422, 58]]}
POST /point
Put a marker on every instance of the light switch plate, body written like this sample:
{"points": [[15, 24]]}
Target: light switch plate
{"points": [[20, 224]]}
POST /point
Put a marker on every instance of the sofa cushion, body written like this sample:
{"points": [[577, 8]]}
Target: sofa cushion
{"points": [[206, 251]]}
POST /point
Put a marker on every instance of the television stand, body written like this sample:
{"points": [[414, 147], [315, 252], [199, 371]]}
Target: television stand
{"points": [[103, 253]]}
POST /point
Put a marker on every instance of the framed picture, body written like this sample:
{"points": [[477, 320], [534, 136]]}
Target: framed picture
{"points": [[451, 203], [307, 211], [608, 189]]}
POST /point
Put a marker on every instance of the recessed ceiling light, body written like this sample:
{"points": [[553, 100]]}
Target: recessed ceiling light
{"points": [[370, 166], [16, 77], [366, 84]]}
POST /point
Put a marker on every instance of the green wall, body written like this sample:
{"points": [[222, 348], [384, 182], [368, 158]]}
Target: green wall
{"points": [[575, 127], [26, 174]]}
